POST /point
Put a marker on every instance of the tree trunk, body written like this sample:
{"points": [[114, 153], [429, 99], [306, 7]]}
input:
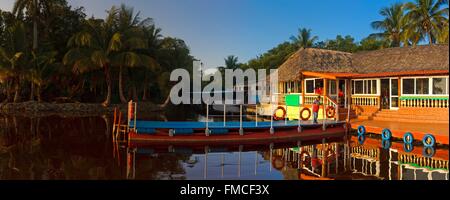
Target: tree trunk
{"points": [[32, 91], [430, 38], [38, 93], [17, 91], [122, 98], [135, 97], [109, 85], [8, 91], [144, 95], [35, 26]]}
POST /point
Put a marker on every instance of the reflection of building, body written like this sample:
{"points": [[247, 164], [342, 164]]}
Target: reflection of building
{"points": [[394, 165]]}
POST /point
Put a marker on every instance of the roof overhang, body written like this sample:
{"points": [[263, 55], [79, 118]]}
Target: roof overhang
{"points": [[403, 73], [329, 75]]}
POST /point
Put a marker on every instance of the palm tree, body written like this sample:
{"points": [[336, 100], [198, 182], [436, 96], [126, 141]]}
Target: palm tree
{"points": [[231, 62], [428, 17], [13, 57], [90, 50], [128, 42], [442, 35], [303, 38], [32, 7], [46, 66], [392, 25]]}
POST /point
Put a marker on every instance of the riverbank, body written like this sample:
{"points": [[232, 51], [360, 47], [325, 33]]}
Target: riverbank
{"points": [[38, 109]]}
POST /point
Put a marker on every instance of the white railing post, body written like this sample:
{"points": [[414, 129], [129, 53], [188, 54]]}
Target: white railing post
{"points": [[224, 115], [256, 114], [241, 130], [207, 119]]}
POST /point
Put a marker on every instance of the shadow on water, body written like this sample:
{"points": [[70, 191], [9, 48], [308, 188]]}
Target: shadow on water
{"points": [[81, 148]]}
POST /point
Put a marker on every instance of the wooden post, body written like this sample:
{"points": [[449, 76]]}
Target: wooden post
{"points": [[325, 84], [302, 82]]}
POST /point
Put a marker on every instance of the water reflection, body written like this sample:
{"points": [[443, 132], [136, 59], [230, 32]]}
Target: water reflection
{"points": [[81, 148]]}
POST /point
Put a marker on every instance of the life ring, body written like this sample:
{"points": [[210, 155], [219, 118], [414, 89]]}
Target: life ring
{"points": [[386, 134], [408, 138], [275, 117], [408, 147], [308, 116], [331, 111], [428, 140], [428, 152], [386, 144], [361, 139], [278, 159], [361, 130]]}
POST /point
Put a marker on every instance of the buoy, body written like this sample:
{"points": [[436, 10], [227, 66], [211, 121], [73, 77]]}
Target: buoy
{"points": [[308, 116], [330, 111], [408, 138], [275, 117], [361, 130], [428, 140], [408, 147], [386, 134], [428, 152], [361, 139], [386, 144]]}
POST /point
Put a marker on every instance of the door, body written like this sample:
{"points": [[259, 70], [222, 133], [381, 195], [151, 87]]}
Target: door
{"points": [[385, 94], [342, 93], [394, 94]]}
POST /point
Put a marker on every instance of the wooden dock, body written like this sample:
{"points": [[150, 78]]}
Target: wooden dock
{"points": [[419, 130]]}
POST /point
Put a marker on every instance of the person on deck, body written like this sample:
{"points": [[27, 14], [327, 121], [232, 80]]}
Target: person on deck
{"points": [[315, 108]]}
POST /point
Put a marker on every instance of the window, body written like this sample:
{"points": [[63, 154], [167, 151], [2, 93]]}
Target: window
{"points": [[422, 86], [359, 87], [309, 86], [365, 87], [440, 86], [425, 86], [332, 87], [408, 86], [394, 87]]}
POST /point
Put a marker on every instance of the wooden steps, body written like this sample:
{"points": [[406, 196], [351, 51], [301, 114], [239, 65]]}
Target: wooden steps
{"points": [[398, 116]]}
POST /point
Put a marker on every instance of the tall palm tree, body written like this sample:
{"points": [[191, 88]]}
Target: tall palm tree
{"points": [[128, 42], [32, 7], [392, 25], [428, 17], [304, 38], [90, 50], [231, 62], [13, 57]]}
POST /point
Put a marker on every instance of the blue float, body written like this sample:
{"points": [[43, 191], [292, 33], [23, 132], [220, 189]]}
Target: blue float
{"points": [[361, 130], [361, 139], [408, 147], [408, 138], [386, 144], [428, 152], [386, 134], [428, 140]]}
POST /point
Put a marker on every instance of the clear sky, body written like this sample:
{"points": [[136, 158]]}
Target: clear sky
{"points": [[214, 29]]}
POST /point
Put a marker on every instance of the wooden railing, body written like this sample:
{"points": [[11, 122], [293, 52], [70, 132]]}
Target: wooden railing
{"points": [[421, 161], [309, 99], [361, 151], [366, 100], [424, 102]]}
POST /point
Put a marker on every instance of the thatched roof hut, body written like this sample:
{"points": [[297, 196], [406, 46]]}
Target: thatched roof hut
{"points": [[400, 59], [317, 60], [390, 61]]}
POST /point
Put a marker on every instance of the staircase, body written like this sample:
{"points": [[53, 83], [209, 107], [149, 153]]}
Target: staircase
{"points": [[397, 116]]}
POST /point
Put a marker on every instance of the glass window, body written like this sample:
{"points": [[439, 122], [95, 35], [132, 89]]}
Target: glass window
{"points": [[309, 86], [374, 86], [368, 87], [408, 86], [394, 87], [318, 83], [394, 102], [422, 86], [359, 87], [332, 86], [440, 86]]}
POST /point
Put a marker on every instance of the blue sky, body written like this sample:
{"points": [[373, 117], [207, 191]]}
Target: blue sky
{"points": [[214, 29]]}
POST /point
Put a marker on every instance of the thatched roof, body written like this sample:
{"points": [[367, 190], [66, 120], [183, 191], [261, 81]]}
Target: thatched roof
{"points": [[317, 60], [400, 59], [390, 60]]}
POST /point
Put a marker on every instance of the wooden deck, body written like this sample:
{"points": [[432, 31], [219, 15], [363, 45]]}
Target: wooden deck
{"points": [[439, 131]]}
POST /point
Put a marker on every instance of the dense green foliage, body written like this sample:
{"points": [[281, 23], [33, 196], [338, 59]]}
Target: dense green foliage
{"points": [[50, 51]]}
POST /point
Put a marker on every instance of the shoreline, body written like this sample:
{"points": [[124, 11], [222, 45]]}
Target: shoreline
{"points": [[38, 109]]}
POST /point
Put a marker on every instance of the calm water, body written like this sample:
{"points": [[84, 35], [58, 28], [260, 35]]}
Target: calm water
{"points": [[81, 148]]}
